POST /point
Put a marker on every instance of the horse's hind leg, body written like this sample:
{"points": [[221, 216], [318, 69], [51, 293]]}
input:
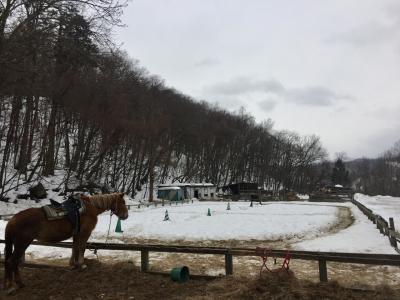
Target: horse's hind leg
{"points": [[17, 256], [8, 274], [74, 256]]}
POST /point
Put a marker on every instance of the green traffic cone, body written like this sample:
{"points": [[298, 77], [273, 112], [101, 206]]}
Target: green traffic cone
{"points": [[229, 206], [166, 218], [118, 228], [209, 213]]}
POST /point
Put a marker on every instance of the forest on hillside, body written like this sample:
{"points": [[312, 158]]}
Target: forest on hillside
{"points": [[71, 100]]}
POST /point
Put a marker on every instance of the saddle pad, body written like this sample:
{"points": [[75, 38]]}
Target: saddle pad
{"points": [[55, 213]]}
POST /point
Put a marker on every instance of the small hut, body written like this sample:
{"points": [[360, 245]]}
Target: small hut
{"points": [[242, 190], [172, 193], [206, 191]]}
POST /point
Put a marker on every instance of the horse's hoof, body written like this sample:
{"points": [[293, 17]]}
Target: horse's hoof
{"points": [[11, 290], [20, 285], [83, 267]]}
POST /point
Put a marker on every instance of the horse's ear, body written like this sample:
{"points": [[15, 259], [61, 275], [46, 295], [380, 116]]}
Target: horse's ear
{"points": [[121, 195]]}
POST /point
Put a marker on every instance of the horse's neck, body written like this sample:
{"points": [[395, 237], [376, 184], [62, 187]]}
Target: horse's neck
{"points": [[101, 203]]}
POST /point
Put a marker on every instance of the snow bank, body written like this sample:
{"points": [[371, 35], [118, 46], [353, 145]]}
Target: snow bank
{"points": [[361, 237], [386, 206]]}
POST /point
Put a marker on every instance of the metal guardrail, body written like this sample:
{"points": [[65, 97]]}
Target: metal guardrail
{"points": [[385, 227]]}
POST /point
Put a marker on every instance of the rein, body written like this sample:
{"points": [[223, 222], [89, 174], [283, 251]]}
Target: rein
{"points": [[109, 226], [108, 232], [112, 212], [109, 223]]}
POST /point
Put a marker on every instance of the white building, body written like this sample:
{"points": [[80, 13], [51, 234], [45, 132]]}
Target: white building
{"points": [[206, 191]]}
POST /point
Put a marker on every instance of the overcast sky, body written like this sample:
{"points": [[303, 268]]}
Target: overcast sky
{"points": [[330, 68]]}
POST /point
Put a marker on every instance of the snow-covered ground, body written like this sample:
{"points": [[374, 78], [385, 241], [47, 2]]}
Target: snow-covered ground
{"points": [[304, 225], [190, 222], [386, 206], [362, 236]]}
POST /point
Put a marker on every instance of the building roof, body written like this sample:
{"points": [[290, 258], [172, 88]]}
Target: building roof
{"points": [[168, 188], [186, 184]]}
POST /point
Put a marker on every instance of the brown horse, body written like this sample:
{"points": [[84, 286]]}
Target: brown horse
{"points": [[32, 223]]}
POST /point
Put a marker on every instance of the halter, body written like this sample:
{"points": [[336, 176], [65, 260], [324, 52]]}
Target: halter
{"points": [[115, 210]]}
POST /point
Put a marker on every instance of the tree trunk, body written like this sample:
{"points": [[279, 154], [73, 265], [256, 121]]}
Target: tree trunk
{"points": [[49, 160]]}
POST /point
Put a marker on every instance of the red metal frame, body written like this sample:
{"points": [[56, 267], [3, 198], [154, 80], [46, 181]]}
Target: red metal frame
{"points": [[267, 253]]}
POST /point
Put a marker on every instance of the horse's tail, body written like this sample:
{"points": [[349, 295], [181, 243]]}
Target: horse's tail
{"points": [[8, 250], [9, 244]]}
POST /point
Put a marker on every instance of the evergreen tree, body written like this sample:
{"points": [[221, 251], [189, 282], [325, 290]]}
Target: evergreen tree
{"points": [[339, 173]]}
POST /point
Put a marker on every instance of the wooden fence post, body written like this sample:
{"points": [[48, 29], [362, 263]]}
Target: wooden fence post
{"points": [[392, 233], [323, 273], [144, 260], [228, 263]]}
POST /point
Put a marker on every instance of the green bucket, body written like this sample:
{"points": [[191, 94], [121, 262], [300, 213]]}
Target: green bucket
{"points": [[180, 274]]}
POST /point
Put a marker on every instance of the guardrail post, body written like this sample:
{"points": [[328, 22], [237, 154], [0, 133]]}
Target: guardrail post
{"points": [[392, 233], [144, 260], [374, 220], [228, 263], [323, 273]]}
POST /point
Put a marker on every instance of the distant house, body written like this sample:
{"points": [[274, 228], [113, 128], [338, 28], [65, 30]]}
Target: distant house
{"points": [[242, 190], [332, 193], [206, 191], [171, 193], [336, 189]]}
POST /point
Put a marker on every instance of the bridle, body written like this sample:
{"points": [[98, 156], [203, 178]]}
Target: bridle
{"points": [[114, 207], [113, 211]]}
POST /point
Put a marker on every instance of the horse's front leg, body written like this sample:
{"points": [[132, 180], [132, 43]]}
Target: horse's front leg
{"points": [[74, 256], [81, 247]]}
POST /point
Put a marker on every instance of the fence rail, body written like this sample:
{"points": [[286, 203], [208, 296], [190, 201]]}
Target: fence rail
{"points": [[385, 227], [228, 253], [6, 216], [133, 206]]}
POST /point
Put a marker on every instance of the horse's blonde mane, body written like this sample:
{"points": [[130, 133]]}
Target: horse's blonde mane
{"points": [[104, 201]]}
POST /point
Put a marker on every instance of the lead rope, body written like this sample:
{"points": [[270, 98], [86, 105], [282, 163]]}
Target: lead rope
{"points": [[94, 250], [109, 226]]}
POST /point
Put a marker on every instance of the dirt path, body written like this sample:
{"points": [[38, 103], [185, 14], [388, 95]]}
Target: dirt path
{"points": [[125, 281], [116, 275]]}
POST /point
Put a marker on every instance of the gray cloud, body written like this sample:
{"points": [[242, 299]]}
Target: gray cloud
{"points": [[314, 96], [379, 142], [309, 96], [267, 104], [374, 32], [207, 62], [244, 85]]}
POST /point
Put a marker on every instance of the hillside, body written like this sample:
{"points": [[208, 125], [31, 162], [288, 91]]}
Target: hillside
{"points": [[69, 101]]}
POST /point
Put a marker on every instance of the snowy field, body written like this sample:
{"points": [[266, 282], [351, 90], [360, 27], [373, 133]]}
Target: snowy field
{"points": [[302, 225], [361, 237], [190, 222], [386, 206]]}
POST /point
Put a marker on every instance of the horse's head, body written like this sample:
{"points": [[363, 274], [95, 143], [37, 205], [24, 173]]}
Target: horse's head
{"points": [[119, 208]]}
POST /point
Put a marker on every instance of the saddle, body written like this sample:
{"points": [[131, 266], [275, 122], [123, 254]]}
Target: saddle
{"points": [[71, 209]]}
